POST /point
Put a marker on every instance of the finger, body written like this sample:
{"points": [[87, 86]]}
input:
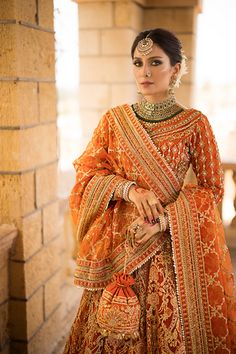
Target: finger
{"points": [[154, 211], [147, 211], [140, 210], [139, 237], [159, 207], [144, 239]]}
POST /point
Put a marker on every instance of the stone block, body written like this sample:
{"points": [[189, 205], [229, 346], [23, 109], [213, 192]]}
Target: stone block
{"points": [[3, 324], [17, 196], [26, 316], [46, 339], [24, 10], [94, 96], [27, 197], [3, 284], [45, 13], [26, 277], [123, 93], [128, 14], [26, 52], [106, 69], [89, 42], [46, 184], [27, 148], [176, 20], [47, 102], [19, 104], [71, 296], [36, 52], [50, 221], [29, 239], [95, 15], [116, 41], [52, 290], [8, 60]]}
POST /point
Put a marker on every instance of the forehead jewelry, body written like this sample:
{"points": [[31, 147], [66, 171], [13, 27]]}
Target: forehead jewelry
{"points": [[145, 46]]}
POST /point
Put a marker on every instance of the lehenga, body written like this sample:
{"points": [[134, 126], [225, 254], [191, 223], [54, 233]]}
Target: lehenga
{"points": [[183, 277]]}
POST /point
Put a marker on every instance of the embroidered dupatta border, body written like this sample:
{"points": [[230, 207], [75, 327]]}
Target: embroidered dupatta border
{"points": [[190, 275], [95, 200]]}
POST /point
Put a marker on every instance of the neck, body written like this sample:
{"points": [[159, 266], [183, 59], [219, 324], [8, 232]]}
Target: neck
{"points": [[156, 99]]}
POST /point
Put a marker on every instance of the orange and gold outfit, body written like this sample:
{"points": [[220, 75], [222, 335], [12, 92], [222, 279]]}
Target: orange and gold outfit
{"points": [[183, 276]]}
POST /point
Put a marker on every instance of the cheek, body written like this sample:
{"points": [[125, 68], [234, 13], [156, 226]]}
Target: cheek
{"points": [[136, 72]]}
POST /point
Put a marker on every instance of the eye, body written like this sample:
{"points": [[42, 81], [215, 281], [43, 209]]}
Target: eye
{"points": [[156, 62], [137, 63]]}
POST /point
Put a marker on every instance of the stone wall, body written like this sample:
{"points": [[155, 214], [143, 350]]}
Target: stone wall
{"points": [[28, 171]]}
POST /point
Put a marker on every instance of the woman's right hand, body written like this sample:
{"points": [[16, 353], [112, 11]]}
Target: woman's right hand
{"points": [[147, 203]]}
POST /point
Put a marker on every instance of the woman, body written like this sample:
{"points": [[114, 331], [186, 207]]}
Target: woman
{"points": [[129, 188]]}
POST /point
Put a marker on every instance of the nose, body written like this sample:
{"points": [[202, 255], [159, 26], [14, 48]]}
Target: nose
{"points": [[146, 72]]}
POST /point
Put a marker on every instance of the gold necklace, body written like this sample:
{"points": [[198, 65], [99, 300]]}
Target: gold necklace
{"points": [[156, 111]]}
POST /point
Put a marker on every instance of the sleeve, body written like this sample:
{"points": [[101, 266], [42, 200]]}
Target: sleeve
{"points": [[205, 159], [97, 175]]}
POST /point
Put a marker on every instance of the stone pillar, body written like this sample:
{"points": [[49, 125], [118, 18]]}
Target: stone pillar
{"points": [[107, 30], [180, 17], [28, 171]]}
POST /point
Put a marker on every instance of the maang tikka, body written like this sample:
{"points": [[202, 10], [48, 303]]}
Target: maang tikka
{"points": [[145, 45]]}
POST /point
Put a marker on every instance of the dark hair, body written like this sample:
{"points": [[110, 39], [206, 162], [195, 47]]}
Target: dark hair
{"points": [[166, 40]]}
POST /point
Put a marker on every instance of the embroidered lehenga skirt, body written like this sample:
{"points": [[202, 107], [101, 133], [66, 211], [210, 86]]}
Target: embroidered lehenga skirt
{"points": [[160, 329]]}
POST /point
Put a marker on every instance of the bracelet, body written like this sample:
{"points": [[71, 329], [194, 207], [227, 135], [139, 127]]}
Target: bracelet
{"points": [[126, 189], [119, 190], [162, 218]]}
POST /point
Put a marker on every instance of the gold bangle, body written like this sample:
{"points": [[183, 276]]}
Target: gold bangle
{"points": [[126, 188], [162, 222]]}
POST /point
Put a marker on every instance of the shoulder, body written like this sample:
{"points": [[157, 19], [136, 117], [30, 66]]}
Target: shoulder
{"points": [[198, 117], [119, 108], [202, 125], [118, 112]]}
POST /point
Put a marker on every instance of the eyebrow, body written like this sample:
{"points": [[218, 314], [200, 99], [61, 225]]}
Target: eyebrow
{"points": [[155, 57]]}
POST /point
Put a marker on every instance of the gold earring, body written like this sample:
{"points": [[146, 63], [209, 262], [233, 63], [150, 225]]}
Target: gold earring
{"points": [[138, 89], [172, 83]]}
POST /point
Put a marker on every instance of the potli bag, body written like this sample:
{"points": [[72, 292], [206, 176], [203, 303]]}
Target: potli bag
{"points": [[119, 309]]}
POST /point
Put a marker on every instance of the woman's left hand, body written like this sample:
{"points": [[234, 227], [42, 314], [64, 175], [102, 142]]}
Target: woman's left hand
{"points": [[142, 231]]}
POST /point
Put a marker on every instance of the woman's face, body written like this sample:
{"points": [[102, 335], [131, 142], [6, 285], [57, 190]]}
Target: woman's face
{"points": [[153, 73]]}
